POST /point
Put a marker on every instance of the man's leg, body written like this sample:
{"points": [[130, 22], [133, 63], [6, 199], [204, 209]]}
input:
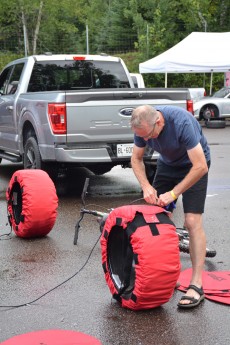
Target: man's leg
{"points": [[197, 252]]}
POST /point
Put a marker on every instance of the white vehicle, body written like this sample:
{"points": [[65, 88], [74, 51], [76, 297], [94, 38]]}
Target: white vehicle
{"points": [[214, 107], [138, 80], [196, 93]]}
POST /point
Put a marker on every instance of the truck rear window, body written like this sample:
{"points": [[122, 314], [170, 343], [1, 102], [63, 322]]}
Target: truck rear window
{"points": [[75, 75]]}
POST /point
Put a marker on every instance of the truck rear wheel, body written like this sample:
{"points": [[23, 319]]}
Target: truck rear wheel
{"points": [[32, 157], [100, 169]]}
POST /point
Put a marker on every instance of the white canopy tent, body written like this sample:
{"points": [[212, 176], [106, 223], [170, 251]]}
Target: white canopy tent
{"points": [[199, 52]]}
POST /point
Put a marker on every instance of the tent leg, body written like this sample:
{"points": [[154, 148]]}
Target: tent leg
{"points": [[210, 92], [166, 79]]}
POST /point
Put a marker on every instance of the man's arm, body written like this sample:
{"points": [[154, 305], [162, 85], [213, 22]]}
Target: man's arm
{"points": [[149, 193]]}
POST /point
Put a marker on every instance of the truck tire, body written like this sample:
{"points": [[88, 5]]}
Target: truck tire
{"points": [[100, 169], [31, 203], [32, 157]]}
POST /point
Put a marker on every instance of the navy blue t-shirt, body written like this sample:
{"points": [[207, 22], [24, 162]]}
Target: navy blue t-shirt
{"points": [[180, 133]]}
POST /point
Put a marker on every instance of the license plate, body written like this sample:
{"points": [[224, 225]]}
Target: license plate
{"points": [[124, 150]]}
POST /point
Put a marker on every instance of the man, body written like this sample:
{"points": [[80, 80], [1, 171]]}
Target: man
{"points": [[182, 169]]}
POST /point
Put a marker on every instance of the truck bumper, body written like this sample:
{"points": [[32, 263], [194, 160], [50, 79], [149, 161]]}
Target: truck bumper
{"points": [[81, 156]]}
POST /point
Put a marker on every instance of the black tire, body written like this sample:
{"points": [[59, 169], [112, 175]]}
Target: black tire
{"points": [[215, 124], [210, 253], [121, 261], [100, 169], [32, 157], [184, 248], [184, 243], [0, 160], [32, 203]]}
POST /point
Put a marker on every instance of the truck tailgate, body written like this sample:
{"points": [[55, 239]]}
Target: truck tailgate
{"points": [[96, 115]]}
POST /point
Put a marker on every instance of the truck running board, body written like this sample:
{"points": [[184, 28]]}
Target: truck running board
{"points": [[10, 157]]}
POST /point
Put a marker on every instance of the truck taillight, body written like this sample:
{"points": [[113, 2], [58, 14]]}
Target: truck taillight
{"points": [[57, 117], [79, 58], [190, 106]]}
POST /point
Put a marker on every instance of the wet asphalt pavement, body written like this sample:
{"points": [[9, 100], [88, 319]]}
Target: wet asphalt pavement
{"points": [[67, 287]]}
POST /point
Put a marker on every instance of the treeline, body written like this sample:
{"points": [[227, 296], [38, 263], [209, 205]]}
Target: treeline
{"points": [[136, 30]]}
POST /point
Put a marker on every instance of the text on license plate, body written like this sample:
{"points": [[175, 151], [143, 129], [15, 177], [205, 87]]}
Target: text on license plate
{"points": [[124, 150]]}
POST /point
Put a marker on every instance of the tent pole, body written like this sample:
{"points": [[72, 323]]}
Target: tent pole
{"points": [[210, 92], [166, 79]]}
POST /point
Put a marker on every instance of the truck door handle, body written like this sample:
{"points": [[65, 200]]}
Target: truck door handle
{"points": [[9, 107]]}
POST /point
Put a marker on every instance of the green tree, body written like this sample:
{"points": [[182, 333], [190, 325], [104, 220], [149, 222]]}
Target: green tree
{"points": [[96, 12], [116, 32], [62, 28]]}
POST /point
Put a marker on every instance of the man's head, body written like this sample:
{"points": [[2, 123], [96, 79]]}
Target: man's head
{"points": [[143, 114], [144, 120]]}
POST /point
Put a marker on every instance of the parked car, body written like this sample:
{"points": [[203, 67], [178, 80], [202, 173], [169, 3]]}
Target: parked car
{"points": [[215, 107], [197, 93], [138, 80]]}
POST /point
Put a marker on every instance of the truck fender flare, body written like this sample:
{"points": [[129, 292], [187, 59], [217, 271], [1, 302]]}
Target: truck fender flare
{"points": [[28, 119]]}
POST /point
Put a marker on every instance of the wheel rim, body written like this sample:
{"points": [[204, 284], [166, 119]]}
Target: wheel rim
{"points": [[210, 112], [31, 160]]}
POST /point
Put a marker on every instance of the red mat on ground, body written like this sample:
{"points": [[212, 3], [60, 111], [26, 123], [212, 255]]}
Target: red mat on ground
{"points": [[216, 284], [52, 337]]}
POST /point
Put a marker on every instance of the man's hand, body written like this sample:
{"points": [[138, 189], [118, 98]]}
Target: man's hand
{"points": [[165, 199], [150, 195]]}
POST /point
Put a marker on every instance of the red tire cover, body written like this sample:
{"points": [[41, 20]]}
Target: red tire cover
{"points": [[216, 284], [52, 337], [158, 266], [39, 203]]}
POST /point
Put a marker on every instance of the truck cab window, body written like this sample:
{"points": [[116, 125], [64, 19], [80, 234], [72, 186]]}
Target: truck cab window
{"points": [[10, 78], [4, 80], [77, 75]]}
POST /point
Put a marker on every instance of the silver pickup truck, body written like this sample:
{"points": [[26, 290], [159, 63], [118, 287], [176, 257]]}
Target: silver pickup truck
{"points": [[73, 110]]}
